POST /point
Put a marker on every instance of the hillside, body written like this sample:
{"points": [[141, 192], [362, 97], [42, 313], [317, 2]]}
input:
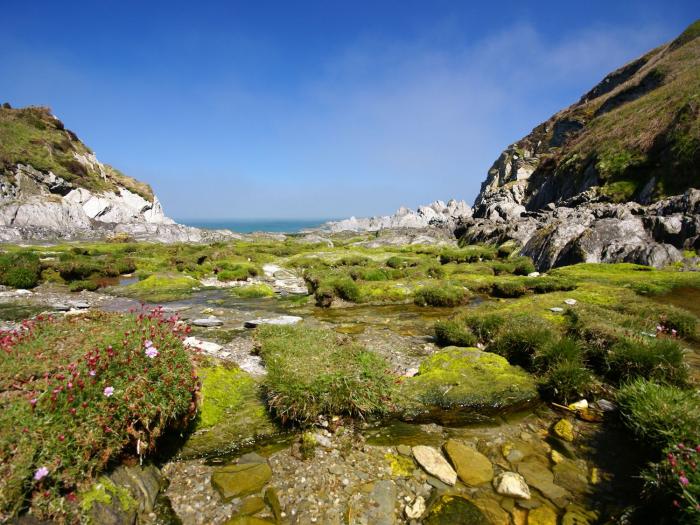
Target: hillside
{"points": [[633, 137], [34, 136]]}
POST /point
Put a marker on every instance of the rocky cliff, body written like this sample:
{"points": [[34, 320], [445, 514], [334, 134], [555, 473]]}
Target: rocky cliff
{"points": [[436, 214], [53, 186], [611, 177]]}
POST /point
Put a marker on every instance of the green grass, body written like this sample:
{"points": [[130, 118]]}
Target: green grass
{"points": [[313, 372], [160, 288], [253, 291], [441, 295], [55, 414], [660, 415]]}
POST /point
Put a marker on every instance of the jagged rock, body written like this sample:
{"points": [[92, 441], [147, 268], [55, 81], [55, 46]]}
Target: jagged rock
{"points": [[435, 214]]}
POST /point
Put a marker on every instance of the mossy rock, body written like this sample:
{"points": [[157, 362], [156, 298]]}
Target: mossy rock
{"points": [[452, 509], [233, 416], [106, 502], [464, 385], [161, 287]]}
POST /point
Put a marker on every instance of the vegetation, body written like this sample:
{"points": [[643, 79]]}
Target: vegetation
{"points": [[80, 392], [313, 372]]}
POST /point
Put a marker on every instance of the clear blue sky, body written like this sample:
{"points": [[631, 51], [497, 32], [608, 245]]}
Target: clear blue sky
{"points": [[314, 109]]}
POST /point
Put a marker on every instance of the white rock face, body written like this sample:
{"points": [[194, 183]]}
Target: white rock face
{"points": [[434, 214], [435, 463], [125, 207]]}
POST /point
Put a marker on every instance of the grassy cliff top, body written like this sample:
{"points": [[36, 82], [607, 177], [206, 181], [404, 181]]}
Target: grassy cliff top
{"points": [[33, 136], [641, 122]]}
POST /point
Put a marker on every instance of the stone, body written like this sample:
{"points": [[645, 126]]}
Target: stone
{"points": [[539, 476], [404, 450], [251, 457], [454, 509], [322, 440], [384, 496], [252, 505], [434, 463], [556, 456], [144, 483], [564, 429], [572, 475], [60, 307], [81, 305], [556, 309], [533, 274], [205, 346], [543, 515], [416, 509], [273, 501], [240, 480], [282, 320], [579, 405], [208, 322], [481, 384], [472, 467], [512, 484], [606, 406], [570, 302]]}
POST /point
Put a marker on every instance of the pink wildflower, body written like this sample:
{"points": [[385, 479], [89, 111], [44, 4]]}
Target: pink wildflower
{"points": [[684, 481], [92, 373], [108, 391], [148, 343], [41, 473], [151, 352]]}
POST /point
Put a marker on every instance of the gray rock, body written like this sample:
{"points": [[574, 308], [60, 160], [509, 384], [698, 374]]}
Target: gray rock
{"points": [[434, 463], [282, 320], [208, 322], [511, 484]]}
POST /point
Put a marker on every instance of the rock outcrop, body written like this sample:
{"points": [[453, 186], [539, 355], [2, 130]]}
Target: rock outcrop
{"points": [[436, 214], [612, 178], [53, 187]]}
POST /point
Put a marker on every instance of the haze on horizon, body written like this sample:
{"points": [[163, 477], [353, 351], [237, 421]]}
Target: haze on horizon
{"points": [[319, 109]]}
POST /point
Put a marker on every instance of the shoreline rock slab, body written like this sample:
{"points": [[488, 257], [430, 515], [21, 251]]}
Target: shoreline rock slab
{"points": [[512, 484], [240, 480]]}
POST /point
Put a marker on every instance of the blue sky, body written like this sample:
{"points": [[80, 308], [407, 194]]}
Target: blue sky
{"points": [[314, 109]]}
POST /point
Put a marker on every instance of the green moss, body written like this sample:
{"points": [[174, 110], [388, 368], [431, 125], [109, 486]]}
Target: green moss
{"points": [[401, 466], [467, 379], [441, 295], [103, 491], [160, 287], [253, 291], [232, 414]]}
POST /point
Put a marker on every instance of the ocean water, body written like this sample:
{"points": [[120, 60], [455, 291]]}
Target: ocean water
{"points": [[256, 225]]}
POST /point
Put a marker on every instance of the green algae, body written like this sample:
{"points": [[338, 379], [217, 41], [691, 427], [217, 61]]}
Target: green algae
{"points": [[160, 288]]}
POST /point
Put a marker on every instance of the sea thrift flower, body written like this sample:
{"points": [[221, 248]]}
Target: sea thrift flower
{"points": [[92, 373], [684, 481], [108, 391], [148, 343], [41, 473], [151, 352]]}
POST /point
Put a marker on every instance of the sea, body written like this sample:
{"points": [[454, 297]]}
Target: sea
{"points": [[256, 225]]}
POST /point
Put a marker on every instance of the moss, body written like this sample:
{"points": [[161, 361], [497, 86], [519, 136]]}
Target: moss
{"points": [[253, 291], [160, 287], [104, 491], [401, 466], [441, 295], [453, 333], [466, 379], [232, 414], [79, 286]]}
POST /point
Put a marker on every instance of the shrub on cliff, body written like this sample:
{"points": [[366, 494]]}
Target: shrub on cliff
{"points": [[78, 393]]}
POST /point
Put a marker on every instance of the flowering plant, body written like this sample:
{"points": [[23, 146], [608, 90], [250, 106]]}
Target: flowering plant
{"points": [[678, 475], [79, 392]]}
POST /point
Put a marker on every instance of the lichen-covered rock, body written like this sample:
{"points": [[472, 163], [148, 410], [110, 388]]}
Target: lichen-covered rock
{"points": [[564, 429], [464, 384]]}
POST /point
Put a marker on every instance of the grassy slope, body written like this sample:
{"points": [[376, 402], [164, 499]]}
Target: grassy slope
{"points": [[647, 126], [33, 136]]}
